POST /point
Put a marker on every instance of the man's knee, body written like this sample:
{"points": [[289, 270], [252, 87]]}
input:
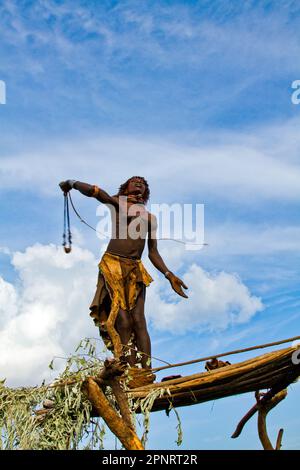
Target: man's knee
{"points": [[123, 321], [139, 323]]}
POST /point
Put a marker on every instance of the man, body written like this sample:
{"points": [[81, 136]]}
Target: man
{"points": [[118, 304]]}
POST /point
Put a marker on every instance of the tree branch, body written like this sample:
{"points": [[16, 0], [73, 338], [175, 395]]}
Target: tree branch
{"points": [[117, 425], [263, 410]]}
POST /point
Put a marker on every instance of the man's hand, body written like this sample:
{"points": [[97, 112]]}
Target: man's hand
{"points": [[176, 284], [65, 186]]}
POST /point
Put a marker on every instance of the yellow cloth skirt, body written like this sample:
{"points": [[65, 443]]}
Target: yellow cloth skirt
{"points": [[120, 281]]}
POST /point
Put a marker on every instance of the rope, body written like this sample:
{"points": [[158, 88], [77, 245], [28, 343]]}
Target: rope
{"points": [[229, 353], [169, 366], [67, 229], [80, 218], [202, 359], [101, 233], [181, 241], [71, 382]]}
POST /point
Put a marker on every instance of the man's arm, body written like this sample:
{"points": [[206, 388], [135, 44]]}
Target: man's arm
{"points": [[158, 262], [90, 191]]}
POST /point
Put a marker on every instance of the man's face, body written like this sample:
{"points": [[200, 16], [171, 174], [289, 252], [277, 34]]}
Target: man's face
{"points": [[136, 186]]}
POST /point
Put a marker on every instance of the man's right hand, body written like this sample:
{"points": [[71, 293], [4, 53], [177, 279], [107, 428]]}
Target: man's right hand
{"points": [[65, 186]]}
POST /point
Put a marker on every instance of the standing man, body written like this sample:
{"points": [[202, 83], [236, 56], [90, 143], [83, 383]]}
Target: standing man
{"points": [[119, 300]]}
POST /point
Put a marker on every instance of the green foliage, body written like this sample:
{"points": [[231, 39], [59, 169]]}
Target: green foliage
{"points": [[25, 424], [179, 428], [58, 416], [145, 405]]}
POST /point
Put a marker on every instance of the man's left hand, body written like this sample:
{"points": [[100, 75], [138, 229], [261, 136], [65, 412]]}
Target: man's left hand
{"points": [[177, 285]]}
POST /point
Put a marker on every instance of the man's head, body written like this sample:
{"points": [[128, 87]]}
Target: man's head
{"points": [[136, 186]]}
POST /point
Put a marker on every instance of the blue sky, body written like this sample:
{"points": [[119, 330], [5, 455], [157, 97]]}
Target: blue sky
{"points": [[196, 97]]}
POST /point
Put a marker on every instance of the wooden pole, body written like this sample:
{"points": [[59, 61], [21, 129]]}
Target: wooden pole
{"points": [[116, 424]]}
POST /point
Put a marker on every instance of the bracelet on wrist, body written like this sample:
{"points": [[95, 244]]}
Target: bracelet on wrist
{"points": [[71, 183], [166, 274]]}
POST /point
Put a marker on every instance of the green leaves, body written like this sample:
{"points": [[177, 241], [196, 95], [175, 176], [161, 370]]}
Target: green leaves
{"points": [[67, 424]]}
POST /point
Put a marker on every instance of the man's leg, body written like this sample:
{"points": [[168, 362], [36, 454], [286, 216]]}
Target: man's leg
{"points": [[140, 328], [124, 327]]}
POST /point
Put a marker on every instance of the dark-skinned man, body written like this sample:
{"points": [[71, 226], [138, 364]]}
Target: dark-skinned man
{"points": [[119, 302]]}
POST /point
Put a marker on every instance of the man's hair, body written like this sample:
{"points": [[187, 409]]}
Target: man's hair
{"points": [[124, 186]]}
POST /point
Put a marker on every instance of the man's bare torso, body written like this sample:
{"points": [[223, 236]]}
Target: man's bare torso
{"points": [[130, 218]]}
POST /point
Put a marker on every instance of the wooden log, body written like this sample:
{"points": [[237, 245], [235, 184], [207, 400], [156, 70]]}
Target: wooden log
{"points": [[116, 424], [273, 371], [270, 359], [258, 373], [122, 401]]}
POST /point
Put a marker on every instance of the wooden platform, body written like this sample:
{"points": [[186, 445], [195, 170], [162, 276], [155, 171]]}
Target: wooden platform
{"points": [[274, 370]]}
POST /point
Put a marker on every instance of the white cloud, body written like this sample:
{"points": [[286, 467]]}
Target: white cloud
{"points": [[248, 44], [250, 36], [216, 301], [4, 250], [242, 168], [8, 302], [45, 313], [236, 238]]}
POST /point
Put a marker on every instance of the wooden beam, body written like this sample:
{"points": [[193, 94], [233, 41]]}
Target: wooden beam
{"points": [[116, 424], [260, 373]]}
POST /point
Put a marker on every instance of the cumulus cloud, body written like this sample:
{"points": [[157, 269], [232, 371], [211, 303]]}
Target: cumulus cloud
{"points": [[45, 313], [216, 301], [8, 302]]}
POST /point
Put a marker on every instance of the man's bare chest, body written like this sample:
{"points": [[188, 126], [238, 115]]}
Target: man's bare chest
{"points": [[134, 212]]}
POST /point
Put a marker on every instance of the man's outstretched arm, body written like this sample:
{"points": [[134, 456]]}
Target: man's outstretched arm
{"points": [[89, 190], [158, 262]]}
